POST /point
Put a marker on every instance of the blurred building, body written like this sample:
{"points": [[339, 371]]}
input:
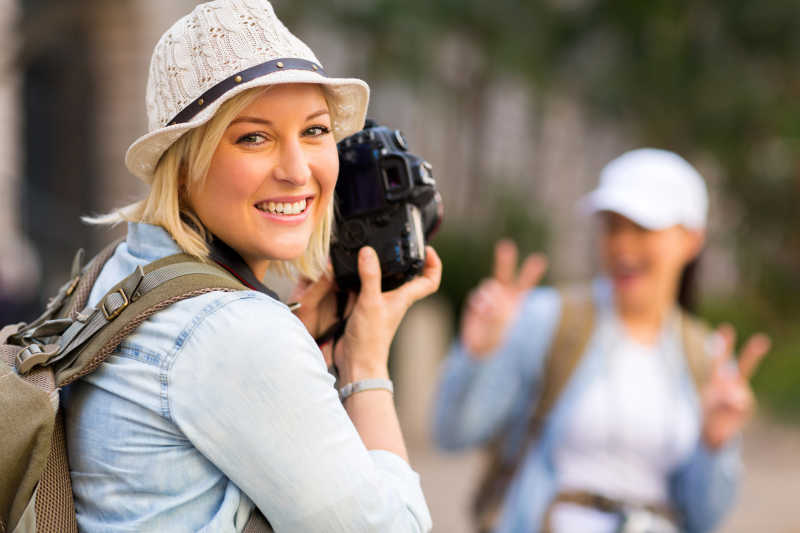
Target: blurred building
{"points": [[73, 97]]}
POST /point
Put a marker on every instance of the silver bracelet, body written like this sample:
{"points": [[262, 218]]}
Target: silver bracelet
{"points": [[365, 384]]}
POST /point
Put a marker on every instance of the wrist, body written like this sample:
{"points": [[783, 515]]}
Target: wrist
{"points": [[714, 439], [349, 372]]}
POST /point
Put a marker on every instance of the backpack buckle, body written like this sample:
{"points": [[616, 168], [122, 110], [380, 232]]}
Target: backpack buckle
{"points": [[35, 355], [118, 307]]}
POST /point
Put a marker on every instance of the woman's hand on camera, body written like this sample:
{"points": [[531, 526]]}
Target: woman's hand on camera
{"points": [[728, 401], [363, 351], [492, 306]]}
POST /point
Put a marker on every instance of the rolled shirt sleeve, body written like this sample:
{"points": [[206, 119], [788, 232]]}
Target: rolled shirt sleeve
{"points": [[704, 487], [250, 389]]}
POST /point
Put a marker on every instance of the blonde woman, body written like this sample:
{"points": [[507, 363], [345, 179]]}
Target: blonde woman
{"points": [[222, 403]]}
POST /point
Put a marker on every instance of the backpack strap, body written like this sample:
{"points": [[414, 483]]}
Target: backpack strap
{"points": [[574, 331], [257, 523], [75, 347], [695, 336], [73, 294], [89, 342]]}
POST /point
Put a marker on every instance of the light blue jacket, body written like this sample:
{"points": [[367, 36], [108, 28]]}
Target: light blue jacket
{"points": [[217, 403], [477, 399]]}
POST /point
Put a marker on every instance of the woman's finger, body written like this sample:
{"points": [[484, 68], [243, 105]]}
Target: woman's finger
{"points": [[369, 270], [721, 351], [426, 283], [505, 261], [753, 352], [723, 347], [532, 271]]}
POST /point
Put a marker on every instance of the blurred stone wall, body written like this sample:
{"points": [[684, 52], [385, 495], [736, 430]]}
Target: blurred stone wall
{"points": [[123, 35], [19, 263]]}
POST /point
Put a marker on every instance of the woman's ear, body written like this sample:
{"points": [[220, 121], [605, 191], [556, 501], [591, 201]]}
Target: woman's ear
{"points": [[696, 240]]}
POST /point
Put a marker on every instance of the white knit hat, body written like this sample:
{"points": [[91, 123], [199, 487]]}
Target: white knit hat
{"points": [[219, 50], [654, 188]]}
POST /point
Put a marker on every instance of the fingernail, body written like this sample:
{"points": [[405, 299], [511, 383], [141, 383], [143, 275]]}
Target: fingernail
{"points": [[366, 253]]}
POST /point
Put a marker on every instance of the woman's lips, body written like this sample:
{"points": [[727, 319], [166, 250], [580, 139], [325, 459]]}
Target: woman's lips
{"points": [[626, 274]]}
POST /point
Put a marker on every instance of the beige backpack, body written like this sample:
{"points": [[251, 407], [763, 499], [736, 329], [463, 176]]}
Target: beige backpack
{"points": [[67, 342]]}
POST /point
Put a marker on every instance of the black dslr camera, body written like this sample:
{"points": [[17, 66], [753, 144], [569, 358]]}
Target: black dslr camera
{"points": [[386, 198]]}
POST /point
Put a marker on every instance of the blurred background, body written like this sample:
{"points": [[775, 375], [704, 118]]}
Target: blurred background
{"points": [[517, 104]]}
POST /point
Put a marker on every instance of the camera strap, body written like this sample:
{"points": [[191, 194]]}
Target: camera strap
{"points": [[335, 332]]}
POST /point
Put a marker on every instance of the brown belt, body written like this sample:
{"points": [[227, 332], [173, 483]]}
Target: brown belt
{"points": [[603, 503]]}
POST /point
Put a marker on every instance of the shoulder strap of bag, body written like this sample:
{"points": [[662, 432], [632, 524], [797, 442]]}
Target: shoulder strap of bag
{"points": [[78, 343], [97, 332], [257, 523], [695, 335], [574, 331]]}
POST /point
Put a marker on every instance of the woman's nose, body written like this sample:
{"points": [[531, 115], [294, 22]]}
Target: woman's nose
{"points": [[293, 165]]}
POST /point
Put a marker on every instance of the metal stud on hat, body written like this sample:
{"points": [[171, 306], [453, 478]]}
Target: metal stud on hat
{"points": [[221, 49]]}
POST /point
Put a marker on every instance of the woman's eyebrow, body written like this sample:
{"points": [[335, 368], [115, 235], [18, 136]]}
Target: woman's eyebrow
{"points": [[251, 119], [316, 114], [258, 120]]}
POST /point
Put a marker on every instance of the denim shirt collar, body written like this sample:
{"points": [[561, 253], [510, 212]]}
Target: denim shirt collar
{"points": [[150, 242]]}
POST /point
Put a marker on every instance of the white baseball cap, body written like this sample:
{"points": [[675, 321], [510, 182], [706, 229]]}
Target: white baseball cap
{"points": [[656, 189], [220, 49]]}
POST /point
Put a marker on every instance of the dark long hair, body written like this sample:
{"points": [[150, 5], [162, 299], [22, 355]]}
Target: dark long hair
{"points": [[687, 288]]}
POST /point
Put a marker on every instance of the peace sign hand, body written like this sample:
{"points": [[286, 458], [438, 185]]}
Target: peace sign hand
{"points": [[727, 399], [493, 304]]}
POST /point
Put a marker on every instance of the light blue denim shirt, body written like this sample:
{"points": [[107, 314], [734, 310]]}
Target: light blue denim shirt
{"points": [[478, 398], [217, 403]]}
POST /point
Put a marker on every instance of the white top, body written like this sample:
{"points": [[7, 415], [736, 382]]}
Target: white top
{"points": [[630, 428]]}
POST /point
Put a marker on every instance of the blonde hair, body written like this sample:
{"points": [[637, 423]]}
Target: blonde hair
{"points": [[186, 164]]}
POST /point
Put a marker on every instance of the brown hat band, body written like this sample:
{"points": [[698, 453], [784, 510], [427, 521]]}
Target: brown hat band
{"points": [[208, 97]]}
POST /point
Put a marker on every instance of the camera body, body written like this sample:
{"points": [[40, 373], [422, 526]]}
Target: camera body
{"points": [[386, 198]]}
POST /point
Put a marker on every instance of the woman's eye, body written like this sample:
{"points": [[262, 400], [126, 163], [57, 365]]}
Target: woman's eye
{"points": [[251, 138], [316, 131]]}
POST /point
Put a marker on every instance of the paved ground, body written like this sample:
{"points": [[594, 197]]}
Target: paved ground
{"points": [[769, 500]]}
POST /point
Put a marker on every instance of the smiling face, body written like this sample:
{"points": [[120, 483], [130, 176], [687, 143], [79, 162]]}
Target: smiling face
{"points": [[645, 265], [272, 176]]}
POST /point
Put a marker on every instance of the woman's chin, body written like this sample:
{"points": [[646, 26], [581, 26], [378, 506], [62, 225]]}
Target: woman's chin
{"points": [[630, 291], [286, 251]]}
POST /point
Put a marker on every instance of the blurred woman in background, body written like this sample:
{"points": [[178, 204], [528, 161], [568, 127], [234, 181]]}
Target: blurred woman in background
{"points": [[608, 407]]}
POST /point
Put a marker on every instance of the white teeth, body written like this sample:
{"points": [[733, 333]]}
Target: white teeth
{"points": [[283, 208]]}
